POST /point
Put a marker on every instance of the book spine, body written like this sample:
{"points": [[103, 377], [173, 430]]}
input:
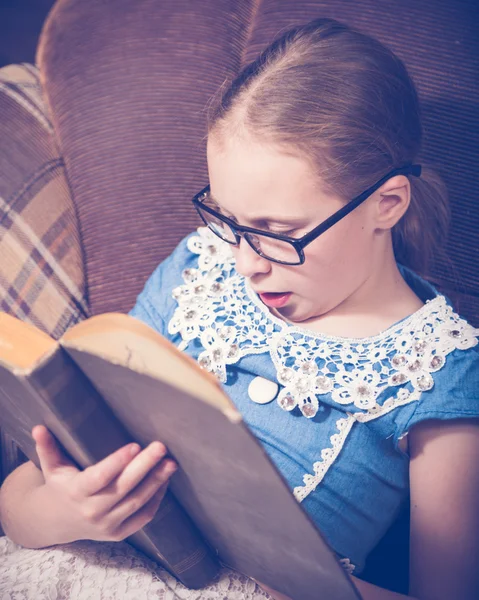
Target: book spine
{"points": [[88, 431]]}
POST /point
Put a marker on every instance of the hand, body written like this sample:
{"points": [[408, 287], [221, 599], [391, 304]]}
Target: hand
{"points": [[107, 501]]}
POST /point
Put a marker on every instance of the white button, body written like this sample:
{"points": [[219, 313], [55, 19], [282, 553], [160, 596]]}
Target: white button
{"points": [[262, 390]]}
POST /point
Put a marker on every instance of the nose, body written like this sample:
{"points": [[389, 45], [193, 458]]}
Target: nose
{"points": [[248, 262]]}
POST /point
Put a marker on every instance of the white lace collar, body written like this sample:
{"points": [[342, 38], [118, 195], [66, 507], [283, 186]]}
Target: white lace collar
{"points": [[217, 307]]}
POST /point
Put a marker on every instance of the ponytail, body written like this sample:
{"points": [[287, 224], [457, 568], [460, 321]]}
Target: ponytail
{"points": [[421, 235]]}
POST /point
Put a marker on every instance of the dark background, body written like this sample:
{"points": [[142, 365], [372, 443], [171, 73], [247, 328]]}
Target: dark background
{"points": [[20, 25]]}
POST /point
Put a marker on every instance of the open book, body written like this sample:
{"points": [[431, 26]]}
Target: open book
{"points": [[111, 380]]}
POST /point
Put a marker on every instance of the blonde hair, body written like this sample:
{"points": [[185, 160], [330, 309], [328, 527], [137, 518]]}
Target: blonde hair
{"points": [[346, 103]]}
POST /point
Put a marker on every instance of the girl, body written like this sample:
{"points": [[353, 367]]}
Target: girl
{"points": [[305, 294]]}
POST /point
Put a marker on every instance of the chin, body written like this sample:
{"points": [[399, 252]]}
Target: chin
{"points": [[295, 314]]}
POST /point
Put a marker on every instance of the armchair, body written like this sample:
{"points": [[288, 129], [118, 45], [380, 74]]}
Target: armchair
{"points": [[102, 146]]}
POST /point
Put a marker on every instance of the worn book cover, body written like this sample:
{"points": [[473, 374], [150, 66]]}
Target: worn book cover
{"points": [[110, 380]]}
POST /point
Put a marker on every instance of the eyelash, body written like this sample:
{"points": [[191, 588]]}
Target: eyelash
{"points": [[288, 233]]}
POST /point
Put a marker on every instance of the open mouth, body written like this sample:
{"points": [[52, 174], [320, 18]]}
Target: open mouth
{"points": [[275, 300]]}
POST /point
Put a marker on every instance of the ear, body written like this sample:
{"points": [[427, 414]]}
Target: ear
{"points": [[393, 200]]}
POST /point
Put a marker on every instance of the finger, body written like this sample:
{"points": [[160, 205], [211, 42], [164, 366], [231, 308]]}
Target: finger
{"points": [[49, 454], [144, 492], [98, 476], [135, 472], [143, 516]]}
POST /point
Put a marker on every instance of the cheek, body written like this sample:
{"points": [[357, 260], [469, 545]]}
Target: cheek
{"points": [[328, 251], [334, 257], [340, 245]]}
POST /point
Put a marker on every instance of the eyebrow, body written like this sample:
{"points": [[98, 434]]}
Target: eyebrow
{"points": [[296, 221]]}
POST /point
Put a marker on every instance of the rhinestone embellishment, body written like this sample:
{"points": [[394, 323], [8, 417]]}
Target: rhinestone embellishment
{"points": [[285, 375], [189, 275], [436, 362], [420, 346], [233, 351], [225, 332], [415, 366], [309, 368], [398, 378], [425, 382], [323, 384], [287, 402], [399, 360], [303, 384], [308, 410], [205, 362]]}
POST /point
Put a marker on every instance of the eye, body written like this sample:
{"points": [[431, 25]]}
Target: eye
{"points": [[287, 232]]}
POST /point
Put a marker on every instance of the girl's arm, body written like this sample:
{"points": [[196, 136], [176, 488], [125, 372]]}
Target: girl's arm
{"points": [[444, 482]]}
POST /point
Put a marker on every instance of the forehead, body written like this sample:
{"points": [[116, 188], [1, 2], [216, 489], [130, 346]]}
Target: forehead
{"points": [[252, 179]]}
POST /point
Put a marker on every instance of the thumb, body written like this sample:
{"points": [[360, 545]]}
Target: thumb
{"points": [[49, 454]]}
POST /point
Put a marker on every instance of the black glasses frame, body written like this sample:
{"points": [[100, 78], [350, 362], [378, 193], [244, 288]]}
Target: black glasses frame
{"points": [[299, 244]]}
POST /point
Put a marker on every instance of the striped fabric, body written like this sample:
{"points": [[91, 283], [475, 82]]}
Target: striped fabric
{"points": [[41, 269]]}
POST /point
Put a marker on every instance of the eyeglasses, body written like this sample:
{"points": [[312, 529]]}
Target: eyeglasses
{"points": [[274, 246]]}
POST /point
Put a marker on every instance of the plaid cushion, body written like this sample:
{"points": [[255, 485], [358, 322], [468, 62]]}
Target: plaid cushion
{"points": [[41, 274], [42, 277]]}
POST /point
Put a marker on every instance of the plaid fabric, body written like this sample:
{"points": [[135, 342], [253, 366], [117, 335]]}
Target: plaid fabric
{"points": [[41, 271], [41, 267]]}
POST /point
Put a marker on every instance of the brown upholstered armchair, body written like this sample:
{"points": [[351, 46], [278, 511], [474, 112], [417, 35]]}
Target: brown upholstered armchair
{"points": [[102, 147]]}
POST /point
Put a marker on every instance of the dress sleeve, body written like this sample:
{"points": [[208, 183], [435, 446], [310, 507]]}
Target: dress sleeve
{"points": [[455, 394], [155, 304]]}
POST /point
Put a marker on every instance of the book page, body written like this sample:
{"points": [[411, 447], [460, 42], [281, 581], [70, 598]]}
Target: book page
{"points": [[124, 340], [22, 345]]}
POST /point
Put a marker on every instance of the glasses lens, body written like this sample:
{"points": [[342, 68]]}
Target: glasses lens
{"points": [[222, 230], [273, 249]]}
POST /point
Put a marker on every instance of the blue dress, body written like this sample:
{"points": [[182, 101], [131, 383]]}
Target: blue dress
{"points": [[342, 405]]}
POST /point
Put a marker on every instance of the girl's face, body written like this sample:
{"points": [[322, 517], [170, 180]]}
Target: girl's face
{"points": [[260, 186]]}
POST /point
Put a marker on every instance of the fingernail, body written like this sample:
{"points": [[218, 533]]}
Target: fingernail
{"points": [[134, 449], [171, 468], [158, 449], [165, 470]]}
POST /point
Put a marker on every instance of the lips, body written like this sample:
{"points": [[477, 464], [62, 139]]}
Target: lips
{"points": [[274, 299]]}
